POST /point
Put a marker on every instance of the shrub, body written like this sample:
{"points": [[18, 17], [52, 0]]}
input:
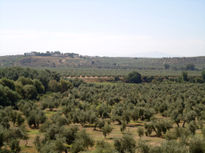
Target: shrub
{"points": [[185, 76], [140, 131], [39, 86], [30, 92], [126, 144], [203, 75], [134, 77], [82, 142], [8, 83], [54, 86], [107, 129]]}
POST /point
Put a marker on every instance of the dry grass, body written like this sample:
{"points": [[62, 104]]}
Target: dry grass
{"points": [[28, 146], [97, 135]]}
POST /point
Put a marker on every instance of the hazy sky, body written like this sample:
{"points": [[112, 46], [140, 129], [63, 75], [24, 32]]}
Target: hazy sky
{"points": [[103, 27]]}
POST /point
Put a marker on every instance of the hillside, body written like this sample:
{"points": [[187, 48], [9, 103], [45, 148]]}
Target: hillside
{"points": [[102, 62]]}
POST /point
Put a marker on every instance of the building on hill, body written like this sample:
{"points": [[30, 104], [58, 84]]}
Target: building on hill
{"points": [[51, 53], [30, 54], [72, 55]]}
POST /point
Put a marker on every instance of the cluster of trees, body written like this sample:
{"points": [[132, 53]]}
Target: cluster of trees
{"points": [[13, 73], [19, 83], [172, 111], [34, 115], [158, 126], [190, 67], [23, 88], [61, 139], [182, 141], [135, 77], [93, 105], [12, 130], [52, 53]]}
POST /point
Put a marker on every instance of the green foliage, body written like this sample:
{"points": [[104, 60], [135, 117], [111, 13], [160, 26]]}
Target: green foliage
{"points": [[25, 81], [166, 66], [37, 143], [39, 86], [185, 76], [166, 147], [142, 147], [190, 67], [105, 65], [65, 85], [14, 145], [158, 126], [77, 82], [123, 126], [103, 147], [82, 142], [54, 86], [59, 120], [13, 73], [35, 118], [170, 147], [10, 132], [197, 145], [8, 97], [134, 77], [30, 91], [25, 88], [106, 129], [125, 144], [140, 131], [8, 83], [24, 75], [192, 127], [15, 117], [50, 102], [100, 105], [64, 139], [70, 134], [50, 146], [142, 113], [203, 75], [19, 89], [179, 133]]}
